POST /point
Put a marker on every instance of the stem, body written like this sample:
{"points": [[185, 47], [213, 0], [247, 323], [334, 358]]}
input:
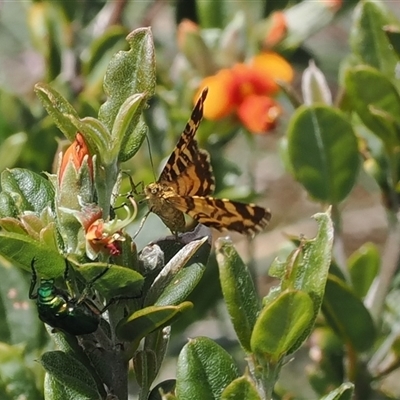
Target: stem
{"points": [[352, 362], [251, 264], [144, 384], [375, 298], [270, 375], [265, 374], [392, 367], [338, 246], [382, 351], [252, 362]]}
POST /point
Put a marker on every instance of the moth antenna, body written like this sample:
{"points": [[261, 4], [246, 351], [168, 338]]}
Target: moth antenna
{"points": [[150, 157]]}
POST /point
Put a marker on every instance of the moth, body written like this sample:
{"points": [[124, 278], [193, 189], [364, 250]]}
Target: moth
{"points": [[185, 186]]}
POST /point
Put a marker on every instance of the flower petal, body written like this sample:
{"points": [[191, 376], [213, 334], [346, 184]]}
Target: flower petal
{"points": [[220, 101], [259, 113], [273, 65], [249, 81]]}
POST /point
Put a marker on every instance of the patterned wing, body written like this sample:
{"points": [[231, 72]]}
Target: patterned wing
{"points": [[223, 214], [188, 170]]}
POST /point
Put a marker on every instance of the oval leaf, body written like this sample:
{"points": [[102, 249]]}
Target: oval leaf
{"points": [[117, 281], [363, 267], [347, 315], [34, 191], [376, 101], [100, 48], [204, 370], [136, 326], [241, 389], [128, 128], [183, 284], [238, 289], [306, 269], [368, 40], [71, 373], [128, 73], [156, 343], [21, 249], [58, 108], [168, 273], [281, 324], [323, 152]]}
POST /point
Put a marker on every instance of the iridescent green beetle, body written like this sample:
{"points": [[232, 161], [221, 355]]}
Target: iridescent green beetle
{"points": [[62, 310]]}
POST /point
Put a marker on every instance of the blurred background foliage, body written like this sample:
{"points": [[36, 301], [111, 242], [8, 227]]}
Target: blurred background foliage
{"points": [[69, 44]]}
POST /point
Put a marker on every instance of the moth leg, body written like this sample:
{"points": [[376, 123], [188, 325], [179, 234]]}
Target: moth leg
{"points": [[141, 225]]}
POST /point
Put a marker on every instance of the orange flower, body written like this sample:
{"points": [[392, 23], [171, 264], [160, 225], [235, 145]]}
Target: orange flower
{"points": [[259, 113], [76, 153], [105, 236], [246, 90], [100, 239]]}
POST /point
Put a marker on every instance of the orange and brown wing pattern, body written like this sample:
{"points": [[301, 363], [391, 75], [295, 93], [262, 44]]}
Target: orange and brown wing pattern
{"points": [[223, 214], [188, 170]]}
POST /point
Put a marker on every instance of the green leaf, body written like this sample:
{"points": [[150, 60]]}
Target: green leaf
{"points": [[145, 365], [8, 208], [117, 281], [156, 343], [69, 344], [46, 22], [15, 377], [323, 152], [368, 40], [376, 101], [211, 13], [136, 326], [20, 323], [347, 315], [363, 266], [129, 72], [238, 289], [185, 282], [199, 55], [306, 270], [281, 324], [11, 148], [58, 108], [128, 119], [21, 249], [161, 291], [96, 136], [204, 369], [343, 392], [102, 48], [54, 389], [241, 389], [393, 34], [34, 192], [69, 372]]}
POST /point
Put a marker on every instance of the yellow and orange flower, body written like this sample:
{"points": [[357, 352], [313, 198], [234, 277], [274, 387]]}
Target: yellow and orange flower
{"points": [[247, 90]]}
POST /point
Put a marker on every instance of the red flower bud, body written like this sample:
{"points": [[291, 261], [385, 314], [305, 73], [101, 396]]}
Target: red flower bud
{"points": [[76, 154]]}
